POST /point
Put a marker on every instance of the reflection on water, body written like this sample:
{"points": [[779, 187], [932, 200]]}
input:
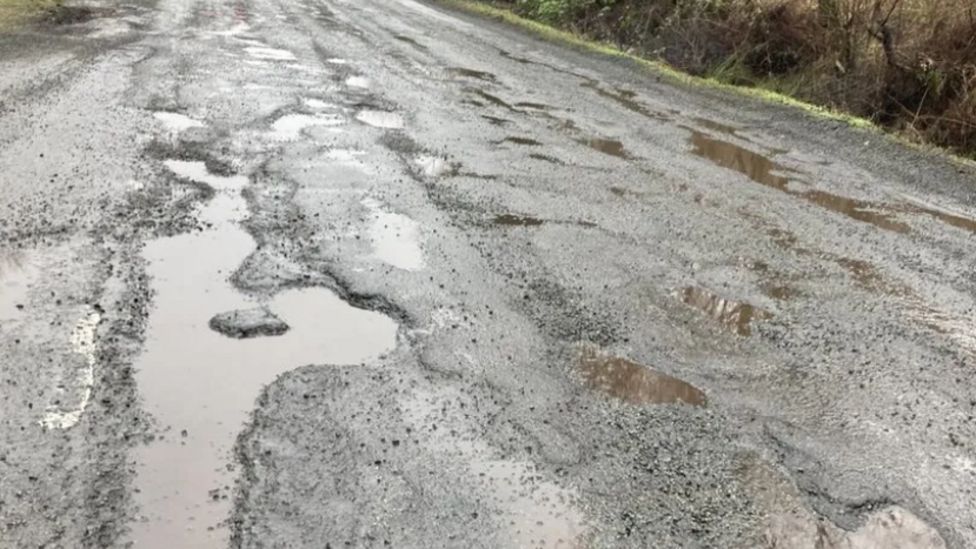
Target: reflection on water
{"points": [[761, 169], [634, 383], [734, 315], [610, 147]]}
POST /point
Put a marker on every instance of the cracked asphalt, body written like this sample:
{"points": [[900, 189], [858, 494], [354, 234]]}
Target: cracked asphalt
{"points": [[369, 273]]}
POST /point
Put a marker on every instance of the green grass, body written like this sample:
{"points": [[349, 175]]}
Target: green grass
{"points": [[768, 91]]}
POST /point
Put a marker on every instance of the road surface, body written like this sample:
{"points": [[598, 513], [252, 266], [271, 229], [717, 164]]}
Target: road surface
{"points": [[368, 273]]}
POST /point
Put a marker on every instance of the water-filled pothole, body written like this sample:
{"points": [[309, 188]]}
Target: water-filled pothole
{"points": [[380, 119], [634, 383], [762, 170], [610, 147], [734, 315], [513, 220], [200, 385], [358, 82], [524, 141], [176, 122], [289, 127], [436, 166], [472, 73], [395, 238], [270, 54]]}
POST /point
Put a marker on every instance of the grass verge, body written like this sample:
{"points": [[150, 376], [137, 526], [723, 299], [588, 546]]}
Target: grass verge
{"points": [[18, 12], [769, 90]]}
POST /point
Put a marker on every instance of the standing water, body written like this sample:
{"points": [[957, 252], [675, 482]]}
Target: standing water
{"points": [[200, 385]]}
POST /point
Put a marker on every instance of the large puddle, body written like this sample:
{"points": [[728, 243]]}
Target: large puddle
{"points": [[200, 385], [634, 383]]}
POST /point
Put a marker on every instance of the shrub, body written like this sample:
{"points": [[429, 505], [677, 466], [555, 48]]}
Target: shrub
{"points": [[907, 64]]}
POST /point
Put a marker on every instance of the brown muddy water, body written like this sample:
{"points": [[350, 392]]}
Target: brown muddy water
{"points": [[610, 147], [472, 73], [524, 141], [634, 383], [199, 385], [512, 220], [734, 315], [765, 171]]}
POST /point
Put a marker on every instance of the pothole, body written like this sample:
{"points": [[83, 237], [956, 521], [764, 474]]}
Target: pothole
{"points": [[395, 238], [610, 147], [199, 385], [634, 383], [289, 127], [513, 220], [17, 273], [175, 122], [270, 54], [472, 73], [710, 124], [358, 82], [317, 104], [734, 315], [435, 166], [518, 140], [764, 171], [380, 119]]}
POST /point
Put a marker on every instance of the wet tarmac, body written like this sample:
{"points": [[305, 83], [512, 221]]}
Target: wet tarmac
{"points": [[373, 274]]}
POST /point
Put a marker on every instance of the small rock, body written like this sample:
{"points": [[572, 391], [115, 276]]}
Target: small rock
{"points": [[247, 323]]}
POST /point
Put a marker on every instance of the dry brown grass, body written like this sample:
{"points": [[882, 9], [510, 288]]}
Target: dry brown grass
{"points": [[907, 64], [16, 12]]}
